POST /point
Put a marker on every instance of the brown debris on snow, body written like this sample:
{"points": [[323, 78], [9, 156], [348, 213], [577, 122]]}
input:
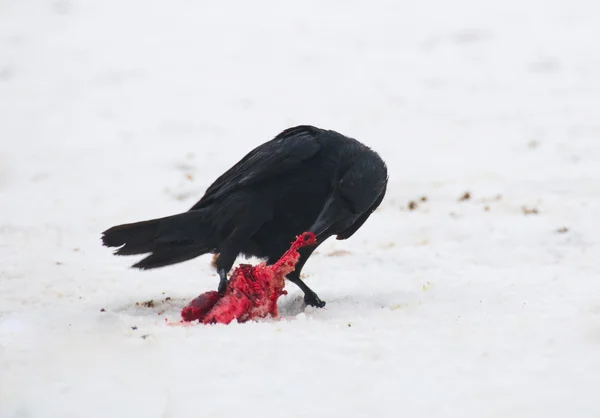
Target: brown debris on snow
{"points": [[339, 253], [146, 304], [530, 211]]}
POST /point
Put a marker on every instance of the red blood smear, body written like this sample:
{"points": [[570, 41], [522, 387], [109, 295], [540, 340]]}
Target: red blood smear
{"points": [[252, 292]]}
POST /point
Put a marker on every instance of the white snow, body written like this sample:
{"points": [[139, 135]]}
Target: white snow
{"points": [[115, 111]]}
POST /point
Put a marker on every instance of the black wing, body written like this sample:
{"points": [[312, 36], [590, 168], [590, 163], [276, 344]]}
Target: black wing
{"points": [[282, 154]]}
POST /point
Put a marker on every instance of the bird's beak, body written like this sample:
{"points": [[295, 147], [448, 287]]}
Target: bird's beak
{"points": [[325, 220], [320, 227]]}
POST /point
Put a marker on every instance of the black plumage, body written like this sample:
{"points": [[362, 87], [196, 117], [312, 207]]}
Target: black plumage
{"points": [[305, 179]]}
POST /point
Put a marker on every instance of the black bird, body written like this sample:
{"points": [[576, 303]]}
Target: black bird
{"points": [[304, 179]]}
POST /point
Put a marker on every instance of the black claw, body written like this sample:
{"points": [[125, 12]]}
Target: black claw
{"points": [[311, 299]]}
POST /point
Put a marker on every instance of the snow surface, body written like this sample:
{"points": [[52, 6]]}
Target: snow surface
{"points": [[115, 111]]}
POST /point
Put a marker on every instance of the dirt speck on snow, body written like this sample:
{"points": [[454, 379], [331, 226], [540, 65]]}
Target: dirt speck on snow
{"points": [[339, 253], [530, 211], [466, 196], [146, 304]]}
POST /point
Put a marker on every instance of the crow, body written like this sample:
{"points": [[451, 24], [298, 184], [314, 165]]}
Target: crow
{"points": [[304, 179]]}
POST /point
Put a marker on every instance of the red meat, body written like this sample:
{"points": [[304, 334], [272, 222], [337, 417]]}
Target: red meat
{"points": [[252, 291]]}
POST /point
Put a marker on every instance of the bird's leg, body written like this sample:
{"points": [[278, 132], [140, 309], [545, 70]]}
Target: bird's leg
{"points": [[310, 297], [227, 256], [233, 245], [222, 281], [224, 263]]}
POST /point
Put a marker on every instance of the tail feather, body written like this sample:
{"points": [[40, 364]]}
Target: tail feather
{"points": [[168, 256], [171, 240], [134, 238]]}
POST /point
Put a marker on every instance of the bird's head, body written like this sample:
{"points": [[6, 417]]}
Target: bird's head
{"points": [[357, 191]]}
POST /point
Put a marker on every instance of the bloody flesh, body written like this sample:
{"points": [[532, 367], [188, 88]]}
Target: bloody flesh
{"points": [[252, 291]]}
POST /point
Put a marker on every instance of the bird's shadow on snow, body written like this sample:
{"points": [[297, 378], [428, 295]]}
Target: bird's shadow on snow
{"points": [[294, 304], [291, 306]]}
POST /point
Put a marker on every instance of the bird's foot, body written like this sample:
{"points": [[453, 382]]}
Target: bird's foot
{"points": [[311, 299], [223, 282]]}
